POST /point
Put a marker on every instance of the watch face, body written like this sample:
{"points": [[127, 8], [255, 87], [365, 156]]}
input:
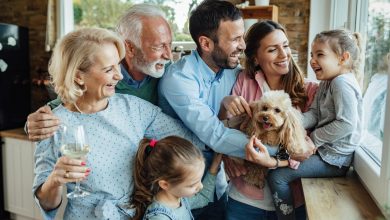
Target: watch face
{"points": [[283, 155]]}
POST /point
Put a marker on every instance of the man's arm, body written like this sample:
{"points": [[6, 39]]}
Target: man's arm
{"points": [[184, 98]]}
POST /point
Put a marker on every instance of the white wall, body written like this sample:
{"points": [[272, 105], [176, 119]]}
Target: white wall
{"points": [[325, 15]]}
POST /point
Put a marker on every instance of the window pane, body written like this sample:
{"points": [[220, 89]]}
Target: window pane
{"points": [[98, 13], [105, 13], [376, 71]]}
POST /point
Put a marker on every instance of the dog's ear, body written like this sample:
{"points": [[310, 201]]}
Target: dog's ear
{"points": [[293, 134], [248, 125]]}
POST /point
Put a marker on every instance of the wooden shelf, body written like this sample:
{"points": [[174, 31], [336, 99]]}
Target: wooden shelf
{"points": [[270, 12]]}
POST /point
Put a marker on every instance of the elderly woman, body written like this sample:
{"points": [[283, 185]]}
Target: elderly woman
{"points": [[85, 69]]}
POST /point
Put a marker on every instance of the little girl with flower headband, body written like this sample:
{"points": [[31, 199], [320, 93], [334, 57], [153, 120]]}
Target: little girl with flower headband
{"points": [[167, 179]]}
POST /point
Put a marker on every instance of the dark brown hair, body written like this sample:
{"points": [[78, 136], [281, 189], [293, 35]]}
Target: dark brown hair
{"points": [[165, 161], [207, 17], [293, 81]]}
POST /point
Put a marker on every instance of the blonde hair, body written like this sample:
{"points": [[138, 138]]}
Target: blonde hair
{"points": [[341, 41], [76, 51], [166, 160]]}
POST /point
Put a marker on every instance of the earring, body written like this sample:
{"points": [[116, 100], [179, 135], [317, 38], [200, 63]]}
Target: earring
{"points": [[80, 82]]}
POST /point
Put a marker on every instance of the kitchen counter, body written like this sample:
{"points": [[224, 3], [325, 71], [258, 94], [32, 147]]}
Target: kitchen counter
{"points": [[17, 133]]}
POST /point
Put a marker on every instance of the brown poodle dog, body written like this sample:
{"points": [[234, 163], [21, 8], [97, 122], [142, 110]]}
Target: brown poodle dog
{"points": [[277, 123]]}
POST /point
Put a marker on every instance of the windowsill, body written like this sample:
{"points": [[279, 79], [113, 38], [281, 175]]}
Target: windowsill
{"points": [[187, 45], [341, 197], [369, 175]]}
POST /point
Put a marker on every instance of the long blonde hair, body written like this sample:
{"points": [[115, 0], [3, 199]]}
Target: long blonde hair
{"points": [[76, 51]]}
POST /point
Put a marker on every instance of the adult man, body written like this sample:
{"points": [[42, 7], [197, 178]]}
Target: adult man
{"points": [[192, 88], [148, 40]]}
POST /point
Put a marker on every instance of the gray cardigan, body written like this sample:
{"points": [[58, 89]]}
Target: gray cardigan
{"points": [[336, 116]]}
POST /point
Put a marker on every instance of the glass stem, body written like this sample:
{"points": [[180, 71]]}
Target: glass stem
{"points": [[77, 189]]}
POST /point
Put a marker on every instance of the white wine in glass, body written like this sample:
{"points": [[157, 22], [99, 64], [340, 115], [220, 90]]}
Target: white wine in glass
{"points": [[75, 145]]}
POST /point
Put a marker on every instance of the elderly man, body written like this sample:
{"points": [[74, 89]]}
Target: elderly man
{"points": [[148, 40]]}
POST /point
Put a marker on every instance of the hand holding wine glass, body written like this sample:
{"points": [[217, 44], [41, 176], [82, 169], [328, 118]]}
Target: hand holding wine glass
{"points": [[74, 146]]}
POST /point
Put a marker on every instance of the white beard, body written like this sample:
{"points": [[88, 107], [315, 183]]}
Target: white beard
{"points": [[150, 68]]}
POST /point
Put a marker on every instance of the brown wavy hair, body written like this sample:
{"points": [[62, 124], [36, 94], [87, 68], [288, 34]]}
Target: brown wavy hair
{"points": [[293, 81], [167, 161]]}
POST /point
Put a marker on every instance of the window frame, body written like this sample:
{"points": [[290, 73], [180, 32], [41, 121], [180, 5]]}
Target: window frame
{"points": [[64, 26], [376, 178], [64, 10], [330, 14]]}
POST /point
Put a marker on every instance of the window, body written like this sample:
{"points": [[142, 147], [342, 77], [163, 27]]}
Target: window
{"points": [[105, 14], [372, 160], [372, 19]]}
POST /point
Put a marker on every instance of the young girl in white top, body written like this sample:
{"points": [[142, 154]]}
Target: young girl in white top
{"points": [[167, 179], [334, 116]]}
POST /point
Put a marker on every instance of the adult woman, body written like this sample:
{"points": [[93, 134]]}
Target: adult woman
{"points": [[268, 66], [85, 69]]}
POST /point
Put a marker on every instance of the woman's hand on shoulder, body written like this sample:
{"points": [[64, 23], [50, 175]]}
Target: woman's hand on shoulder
{"points": [[236, 105]]}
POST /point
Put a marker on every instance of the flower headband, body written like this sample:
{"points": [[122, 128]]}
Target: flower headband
{"points": [[150, 146], [152, 142]]}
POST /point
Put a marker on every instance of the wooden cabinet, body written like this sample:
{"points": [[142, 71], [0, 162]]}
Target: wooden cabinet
{"points": [[270, 12], [18, 170], [18, 176]]}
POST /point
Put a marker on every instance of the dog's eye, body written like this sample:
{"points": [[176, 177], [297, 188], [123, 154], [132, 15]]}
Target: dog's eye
{"points": [[277, 110], [265, 108]]}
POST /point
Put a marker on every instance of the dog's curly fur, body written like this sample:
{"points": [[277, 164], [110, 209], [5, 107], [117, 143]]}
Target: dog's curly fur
{"points": [[274, 121]]}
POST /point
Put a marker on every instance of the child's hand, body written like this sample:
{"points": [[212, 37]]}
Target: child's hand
{"points": [[311, 149], [215, 164]]}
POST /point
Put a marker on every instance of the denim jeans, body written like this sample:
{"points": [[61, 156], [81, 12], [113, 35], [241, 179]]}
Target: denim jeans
{"points": [[280, 178], [240, 211]]}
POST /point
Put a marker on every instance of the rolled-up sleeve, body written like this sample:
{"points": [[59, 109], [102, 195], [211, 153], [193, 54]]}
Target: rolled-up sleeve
{"points": [[45, 158]]}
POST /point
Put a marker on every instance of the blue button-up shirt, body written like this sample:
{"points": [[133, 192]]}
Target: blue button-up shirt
{"points": [[193, 92]]}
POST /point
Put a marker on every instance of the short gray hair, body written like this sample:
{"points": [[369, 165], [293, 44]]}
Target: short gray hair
{"points": [[130, 24]]}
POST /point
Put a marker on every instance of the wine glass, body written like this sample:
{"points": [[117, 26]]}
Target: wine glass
{"points": [[74, 145]]}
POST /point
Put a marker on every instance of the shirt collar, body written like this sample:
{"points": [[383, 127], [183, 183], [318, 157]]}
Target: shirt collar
{"points": [[260, 79], [130, 81], [208, 74]]}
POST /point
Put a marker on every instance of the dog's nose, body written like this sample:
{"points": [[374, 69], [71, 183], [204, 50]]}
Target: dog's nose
{"points": [[265, 118]]}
